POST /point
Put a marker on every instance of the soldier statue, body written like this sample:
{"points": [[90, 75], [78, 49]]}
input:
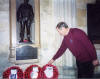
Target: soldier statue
{"points": [[25, 17]]}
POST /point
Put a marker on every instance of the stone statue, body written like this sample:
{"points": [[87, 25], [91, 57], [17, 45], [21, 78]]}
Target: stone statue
{"points": [[25, 17]]}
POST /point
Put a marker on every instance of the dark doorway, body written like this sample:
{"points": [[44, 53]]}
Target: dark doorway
{"points": [[93, 22]]}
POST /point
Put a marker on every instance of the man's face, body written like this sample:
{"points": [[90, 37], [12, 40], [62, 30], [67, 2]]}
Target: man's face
{"points": [[61, 31]]}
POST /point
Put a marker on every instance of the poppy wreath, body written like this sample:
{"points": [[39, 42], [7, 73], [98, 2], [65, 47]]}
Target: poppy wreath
{"points": [[28, 71], [55, 72], [7, 72]]}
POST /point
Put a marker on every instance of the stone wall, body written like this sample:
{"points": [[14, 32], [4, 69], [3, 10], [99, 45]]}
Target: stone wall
{"points": [[4, 35], [81, 16]]}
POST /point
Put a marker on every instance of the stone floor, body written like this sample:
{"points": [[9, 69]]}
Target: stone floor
{"points": [[71, 73], [67, 72]]}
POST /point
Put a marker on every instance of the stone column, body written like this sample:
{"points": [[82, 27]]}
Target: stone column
{"points": [[64, 10]]}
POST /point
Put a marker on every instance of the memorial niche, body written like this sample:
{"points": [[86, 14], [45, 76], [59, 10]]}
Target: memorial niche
{"points": [[25, 21], [17, 54]]}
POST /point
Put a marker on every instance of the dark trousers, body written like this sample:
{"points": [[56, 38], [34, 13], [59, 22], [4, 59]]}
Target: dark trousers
{"points": [[85, 69]]}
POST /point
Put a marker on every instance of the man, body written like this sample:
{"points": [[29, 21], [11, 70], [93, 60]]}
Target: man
{"points": [[78, 43], [25, 17]]}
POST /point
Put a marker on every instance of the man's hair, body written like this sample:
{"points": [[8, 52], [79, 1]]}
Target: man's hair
{"points": [[61, 24]]}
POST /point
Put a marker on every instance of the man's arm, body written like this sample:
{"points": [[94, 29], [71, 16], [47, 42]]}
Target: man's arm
{"points": [[59, 53]]}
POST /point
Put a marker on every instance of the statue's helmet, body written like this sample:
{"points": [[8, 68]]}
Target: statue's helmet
{"points": [[26, 1]]}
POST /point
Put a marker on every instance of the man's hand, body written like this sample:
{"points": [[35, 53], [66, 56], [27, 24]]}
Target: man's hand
{"points": [[51, 61], [95, 62]]}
